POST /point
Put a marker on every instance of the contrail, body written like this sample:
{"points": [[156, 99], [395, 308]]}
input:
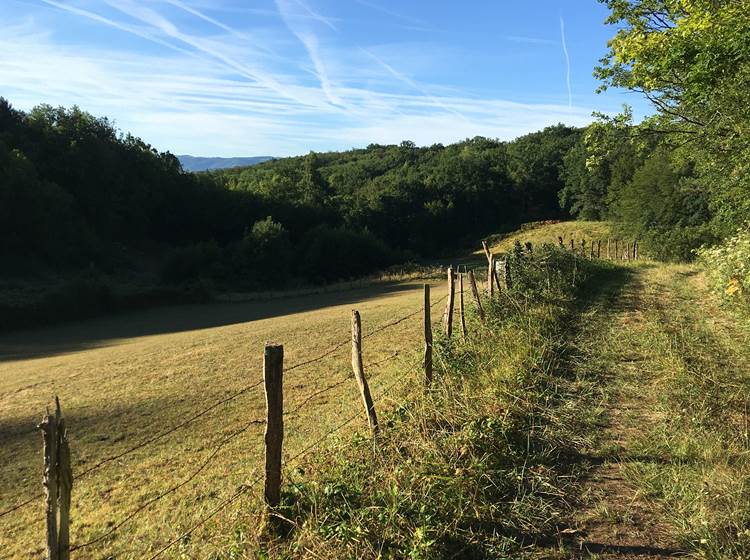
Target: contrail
{"points": [[567, 62]]}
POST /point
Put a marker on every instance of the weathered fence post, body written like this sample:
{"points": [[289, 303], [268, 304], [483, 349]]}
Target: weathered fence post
{"points": [[599, 249], [560, 240], [609, 258], [461, 304], [583, 248], [49, 435], [572, 245], [65, 486], [273, 373], [359, 372], [427, 337], [491, 277], [475, 293], [448, 315], [486, 251], [635, 250], [627, 252], [617, 250], [591, 252]]}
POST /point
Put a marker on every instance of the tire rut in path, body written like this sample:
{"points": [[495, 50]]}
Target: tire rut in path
{"points": [[615, 522]]}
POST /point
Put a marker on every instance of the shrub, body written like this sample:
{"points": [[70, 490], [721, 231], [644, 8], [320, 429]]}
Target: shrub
{"points": [[335, 253], [728, 266], [188, 264]]}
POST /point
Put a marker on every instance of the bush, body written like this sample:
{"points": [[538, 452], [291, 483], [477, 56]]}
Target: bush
{"points": [[188, 264], [728, 266], [263, 257], [337, 253]]}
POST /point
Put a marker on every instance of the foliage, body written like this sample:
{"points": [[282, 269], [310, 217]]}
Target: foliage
{"points": [[729, 266], [75, 193], [691, 59]]}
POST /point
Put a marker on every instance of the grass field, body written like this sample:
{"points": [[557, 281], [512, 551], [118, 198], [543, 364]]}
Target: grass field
{"points": [[124, 379]]}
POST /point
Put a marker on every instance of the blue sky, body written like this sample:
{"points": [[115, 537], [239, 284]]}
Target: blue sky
{"points": [[283, 77]]}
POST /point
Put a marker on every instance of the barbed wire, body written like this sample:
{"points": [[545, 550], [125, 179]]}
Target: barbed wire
{"points": [[171, 490], [140, 445]]}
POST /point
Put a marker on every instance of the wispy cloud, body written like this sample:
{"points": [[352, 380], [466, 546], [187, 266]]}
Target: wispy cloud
{"points": [[567, 62], [304, 32], [222, 89]]}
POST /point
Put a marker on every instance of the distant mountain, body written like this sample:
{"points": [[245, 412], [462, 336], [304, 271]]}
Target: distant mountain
{"points": [[195, 163]]}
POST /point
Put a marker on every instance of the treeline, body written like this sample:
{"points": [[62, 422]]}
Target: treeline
{"points": [[679, 180], [77, 195]]}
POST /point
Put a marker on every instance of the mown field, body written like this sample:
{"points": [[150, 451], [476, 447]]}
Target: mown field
{"points": [[124, 380]]}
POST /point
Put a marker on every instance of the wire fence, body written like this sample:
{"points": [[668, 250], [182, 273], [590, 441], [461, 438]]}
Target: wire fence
{"points": [[343, 377]]}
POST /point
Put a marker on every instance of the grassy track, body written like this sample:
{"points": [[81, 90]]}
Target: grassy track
{"points": [[670, 459]]}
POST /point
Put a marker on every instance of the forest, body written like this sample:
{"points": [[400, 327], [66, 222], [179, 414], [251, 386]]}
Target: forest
{"points": [[79, 199]]}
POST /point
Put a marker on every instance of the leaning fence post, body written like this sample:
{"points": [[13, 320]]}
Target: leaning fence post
{"points": [[49, 436], [427, 337], [448, 315], [273, 371], [461, 304], [359, 372], [475, 293], [491, 277], [486, 251]]}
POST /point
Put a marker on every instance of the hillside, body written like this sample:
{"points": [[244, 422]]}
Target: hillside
{"points": [[590, 412], [198, 163]]}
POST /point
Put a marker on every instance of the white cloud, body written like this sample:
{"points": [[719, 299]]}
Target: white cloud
{"points": [[220, 92]]}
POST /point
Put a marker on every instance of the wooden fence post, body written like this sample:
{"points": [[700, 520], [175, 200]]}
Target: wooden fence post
{"points": [[583, 248], [572, 245], [273, 372], [461, 304], [475, 293], [427, 337], [599, 249], [591, 252], [491, 277], [50, 439], [627, 252], [617, 250], [65, 486], [359, 372], [448, 315], [635, 250], [609, 258], [486, 251], [560, 240]]}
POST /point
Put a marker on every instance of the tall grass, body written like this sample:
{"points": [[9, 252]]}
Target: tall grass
{"points": [[478, 465]]}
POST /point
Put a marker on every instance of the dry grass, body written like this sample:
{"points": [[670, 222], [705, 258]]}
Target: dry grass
{"points": [[123, 379], [540, 232]]}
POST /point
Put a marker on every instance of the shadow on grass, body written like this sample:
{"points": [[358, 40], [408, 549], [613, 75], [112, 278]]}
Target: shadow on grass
{"points": [[104, 331]]}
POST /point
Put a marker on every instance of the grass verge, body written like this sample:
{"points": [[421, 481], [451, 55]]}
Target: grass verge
{"points": [[480, 466]]}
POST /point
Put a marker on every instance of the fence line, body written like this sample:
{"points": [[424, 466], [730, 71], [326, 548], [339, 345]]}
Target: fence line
{"points": [[358, 370]]}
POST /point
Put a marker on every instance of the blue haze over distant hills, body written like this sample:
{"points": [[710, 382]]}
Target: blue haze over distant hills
{"points": [[196, 163]]}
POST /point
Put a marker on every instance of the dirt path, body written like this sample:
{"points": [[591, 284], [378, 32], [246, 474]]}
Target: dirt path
{"points": [[617, 520]]}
